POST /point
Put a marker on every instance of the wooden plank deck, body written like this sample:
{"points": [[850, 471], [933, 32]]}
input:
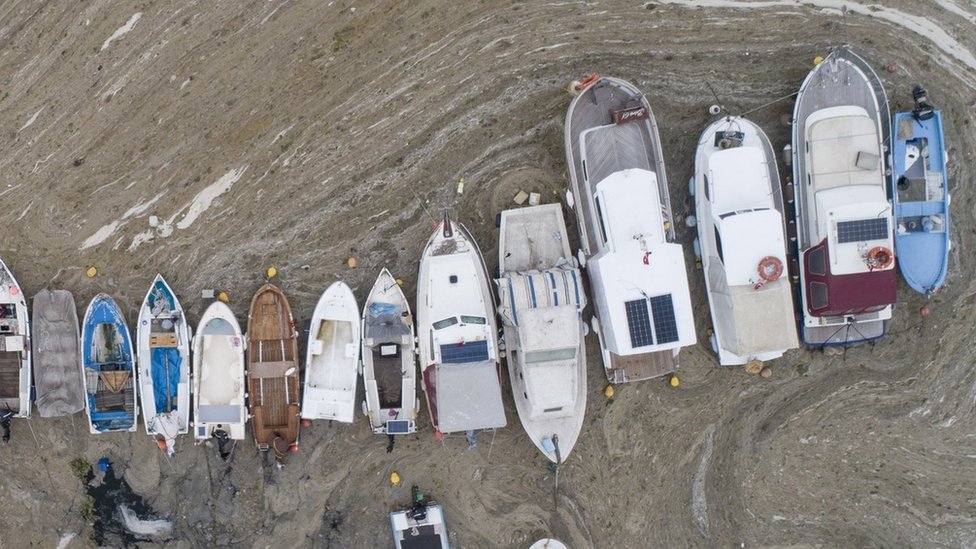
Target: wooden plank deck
{"points": [[628, 368]]}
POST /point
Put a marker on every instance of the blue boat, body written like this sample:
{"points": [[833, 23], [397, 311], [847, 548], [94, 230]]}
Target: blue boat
{"points": [[921, 196], [108, 365]]}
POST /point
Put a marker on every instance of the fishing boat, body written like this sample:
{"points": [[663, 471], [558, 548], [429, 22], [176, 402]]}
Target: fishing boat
{"points": [[921, 198], [15, 351], [332, 358], [57, 367], [456, 333], [389, 369], [219, 410], [109, 365], [273, 373], [421, 526], [163, 350], [541, 299], [742, 242], [843, 215], [629, 249]]}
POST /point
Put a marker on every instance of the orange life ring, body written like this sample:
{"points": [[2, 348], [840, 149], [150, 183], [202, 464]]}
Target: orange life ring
{"points": [[879, 257], [588, 81], [770, 268]]}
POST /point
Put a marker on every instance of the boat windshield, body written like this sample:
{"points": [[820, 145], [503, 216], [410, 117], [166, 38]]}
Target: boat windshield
{"points": [[550, 355], [473, 319], [441, 324]]}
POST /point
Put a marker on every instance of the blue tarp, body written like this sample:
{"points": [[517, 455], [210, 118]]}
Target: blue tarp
{"points": [[166, 377]]}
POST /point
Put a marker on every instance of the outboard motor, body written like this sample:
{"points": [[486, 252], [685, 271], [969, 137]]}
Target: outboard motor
{"points": [[5, 423], [418, 510], [923, 109], [223, 441]]}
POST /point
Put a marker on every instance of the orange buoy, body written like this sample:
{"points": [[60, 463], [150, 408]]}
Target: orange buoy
{"points": [[438, 435], [306, 423], [161, 443], [588, 81], [924, 311], [351, 262], [879, 257], [293, 448], [770, 268], [223, 297]]}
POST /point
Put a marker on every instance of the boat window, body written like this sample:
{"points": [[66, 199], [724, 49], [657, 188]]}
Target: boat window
{"points": [[818, 295], [534, 357], [548, 410], [718, 244], [441, 324], [599, 215], [473, 320], [817, 261], [706, 188]]}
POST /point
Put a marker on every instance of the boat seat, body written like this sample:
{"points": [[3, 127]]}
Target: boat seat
{"points": [[315, 346], [219, 414], [352, 350], [13, 344], [867, 160], [906, 209], [162, 340], [114, 381]]}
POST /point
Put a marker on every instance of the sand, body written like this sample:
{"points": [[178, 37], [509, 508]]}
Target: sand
{"points": [[298, 134]]}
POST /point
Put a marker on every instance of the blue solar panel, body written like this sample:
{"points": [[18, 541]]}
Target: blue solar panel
{"points": [[398, 427], [461, 353], [639, 323], [862, 230], [665, 326]]}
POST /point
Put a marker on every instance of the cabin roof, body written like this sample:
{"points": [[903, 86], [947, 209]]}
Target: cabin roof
{"points": [[739, 180]]}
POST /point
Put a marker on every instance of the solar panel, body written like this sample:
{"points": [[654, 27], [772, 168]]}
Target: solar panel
{"points": [[462, 353], [665, 326], [639, 323], [862, 230], [398, 427]]}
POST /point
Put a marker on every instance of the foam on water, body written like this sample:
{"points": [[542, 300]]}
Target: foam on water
{"points": [[124, 29]]}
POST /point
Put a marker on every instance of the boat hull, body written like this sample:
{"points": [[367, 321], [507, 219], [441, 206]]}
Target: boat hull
{"points": [[57, 360], [273, 372], [109, 365], [921, 201], [332, 357], [163, 343], [219, 380], [388, 359], [15, 347]]}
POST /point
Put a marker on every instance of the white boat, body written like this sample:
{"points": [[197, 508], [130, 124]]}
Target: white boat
{"points": [[456, 333], [219, 409], [57, 359], [541, 299], [844, 218], [163, 351], [15, 350], [635, 265], [421, 526], [389, 369], [332, 358], [742, 242]]}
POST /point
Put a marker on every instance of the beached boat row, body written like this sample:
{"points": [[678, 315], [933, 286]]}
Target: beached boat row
{"points": [[861, 190]]}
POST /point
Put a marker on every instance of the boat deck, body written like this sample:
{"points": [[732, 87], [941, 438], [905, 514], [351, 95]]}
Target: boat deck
{"points": [[534, 239], [389, 378], [10, 381], [611, 149], [625, 368]]}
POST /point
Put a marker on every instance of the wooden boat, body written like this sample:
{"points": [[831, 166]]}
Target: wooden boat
{"points": [[541, 299], [332, 358], [456, 334], [15, 351], [389, 369], [57, 360], [218, 383], [742, 242], [421, 526], [921, 197], [844, 218], [273, 373], [163, 348], [635, 265], [110, 374]]}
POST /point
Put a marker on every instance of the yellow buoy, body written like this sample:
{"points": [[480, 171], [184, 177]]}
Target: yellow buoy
{"points": [[674, 381], [351, 262], [608, 392], [272, 272], [817, 60], [399, 282], [395, 478], [223, 297], [91, 272]]}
